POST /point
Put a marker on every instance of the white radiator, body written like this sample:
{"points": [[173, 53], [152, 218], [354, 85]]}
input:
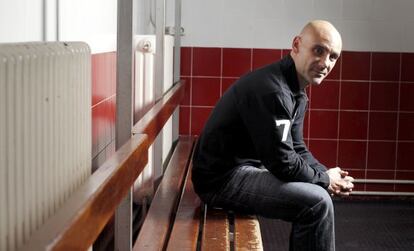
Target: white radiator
{"points": [[45, 132]]}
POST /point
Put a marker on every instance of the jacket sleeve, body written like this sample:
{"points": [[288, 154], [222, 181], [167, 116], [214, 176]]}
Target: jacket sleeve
{"points": [[269, 123], [298, 142]]}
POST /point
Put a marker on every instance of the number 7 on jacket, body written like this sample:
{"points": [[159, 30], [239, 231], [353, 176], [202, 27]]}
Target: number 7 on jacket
{"points": [[286, 126]]}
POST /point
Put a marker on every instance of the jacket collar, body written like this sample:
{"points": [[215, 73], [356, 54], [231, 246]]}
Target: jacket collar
{"points": [[288, 68]]}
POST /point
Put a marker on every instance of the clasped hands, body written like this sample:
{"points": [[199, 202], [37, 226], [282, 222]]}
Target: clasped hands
{"points": [[340, 183]]}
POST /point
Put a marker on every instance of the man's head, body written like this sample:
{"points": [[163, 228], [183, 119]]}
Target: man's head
{"points": [[315, 51]]}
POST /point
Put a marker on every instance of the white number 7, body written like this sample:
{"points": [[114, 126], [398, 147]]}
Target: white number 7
{"points": [[286, 126]]}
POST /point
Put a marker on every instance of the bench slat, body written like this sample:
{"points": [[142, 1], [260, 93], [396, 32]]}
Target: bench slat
{"points": [[154, 231], [216, 235], [184, 234], [247, 235]]}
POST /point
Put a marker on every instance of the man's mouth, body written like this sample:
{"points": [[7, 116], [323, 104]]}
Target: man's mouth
{"points": [[319, 74]]}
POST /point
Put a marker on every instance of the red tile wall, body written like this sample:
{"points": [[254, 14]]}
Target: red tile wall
{"points": [[360, 118], [103, 107]]}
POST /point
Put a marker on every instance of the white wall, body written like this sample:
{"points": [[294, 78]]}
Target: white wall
{"points": [[366, 25], [21, 20], [92, 21]]}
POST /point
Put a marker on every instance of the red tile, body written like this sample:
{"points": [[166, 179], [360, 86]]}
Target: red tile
{"points": [[356, 174], [335, 73], [112, 109], [187, 92], [406, 97], [185, 61], [324, 151], [199, 116], [405, 156], [324, 124], [262, 57], [226, 83], [325, 96], [352, 154], [205, 91], [184, 123], [112, 67], [354, 95], [103, 76], [384, 175], [381, 174], [382, 126], [206, 61], [407, 66], [385, 66], [405, 175], [286, 52], [405, 130], [384, 96], [95, 130], [380, 187], [404, 188], [353, 125], [236, 62], [355, 65], [381, 155]]}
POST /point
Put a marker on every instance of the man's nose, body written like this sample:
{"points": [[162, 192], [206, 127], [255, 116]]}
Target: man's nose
{"points": [[324, 62]]}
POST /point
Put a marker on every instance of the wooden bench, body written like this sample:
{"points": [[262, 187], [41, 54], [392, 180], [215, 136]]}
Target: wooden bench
{"points": [[80, 220], [178, 220]]}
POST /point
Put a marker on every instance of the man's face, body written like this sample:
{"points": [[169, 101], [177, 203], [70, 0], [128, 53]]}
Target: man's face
{"points": [[316, 55]]}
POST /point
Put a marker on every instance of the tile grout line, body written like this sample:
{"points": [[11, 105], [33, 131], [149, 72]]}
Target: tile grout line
{"points": [[368, 124], [339, 114], [191, 91], [398, 121]]}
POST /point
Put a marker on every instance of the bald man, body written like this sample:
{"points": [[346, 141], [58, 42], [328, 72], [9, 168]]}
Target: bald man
{"points": [[251, 156]]}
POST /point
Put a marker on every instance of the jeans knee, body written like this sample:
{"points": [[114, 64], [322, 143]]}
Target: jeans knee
{"points": [[324, 207]]}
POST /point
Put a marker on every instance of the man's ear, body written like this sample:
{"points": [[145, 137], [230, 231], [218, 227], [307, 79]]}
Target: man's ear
{"points": [[295, 44]]}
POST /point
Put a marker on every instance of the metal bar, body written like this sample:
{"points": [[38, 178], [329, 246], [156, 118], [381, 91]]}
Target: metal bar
{"points": [[381, 193], [177, 64], [383, 181], [124, 113], [158, 80], [177, 41]]}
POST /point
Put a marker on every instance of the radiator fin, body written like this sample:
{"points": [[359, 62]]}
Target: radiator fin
{"points": [[45, 132]]}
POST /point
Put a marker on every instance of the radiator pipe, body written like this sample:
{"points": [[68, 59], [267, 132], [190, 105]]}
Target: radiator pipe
{"points": [[383, 181]]}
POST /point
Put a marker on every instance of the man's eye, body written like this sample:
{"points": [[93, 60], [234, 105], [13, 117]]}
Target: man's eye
{"points": [[319, 50]]}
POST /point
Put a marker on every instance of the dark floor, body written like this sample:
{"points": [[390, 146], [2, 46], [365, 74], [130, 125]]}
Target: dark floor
{"points": [[361, 225]]}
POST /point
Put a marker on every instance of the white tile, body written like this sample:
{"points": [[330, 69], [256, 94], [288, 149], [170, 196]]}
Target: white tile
{"points": [[202, 21], [271, 9], [268, 34], [387, 10], [357, 35], [408, 37], [406, 10], [327, 9], [357, 9], [237, 32], [391, 40], [298, 9]]}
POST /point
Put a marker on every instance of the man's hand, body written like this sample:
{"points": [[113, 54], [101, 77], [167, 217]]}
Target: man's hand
{"points": [[340, 183]]}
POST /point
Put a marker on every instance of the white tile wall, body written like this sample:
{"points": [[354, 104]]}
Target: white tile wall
{"points": [[21, 20], [92, 21], [365, 25]]}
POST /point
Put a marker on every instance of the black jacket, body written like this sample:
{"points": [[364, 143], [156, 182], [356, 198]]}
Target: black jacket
{"points": [[258, 121]]}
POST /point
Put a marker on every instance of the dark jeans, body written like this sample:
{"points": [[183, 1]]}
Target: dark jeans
{"points": [[309, 207]]}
